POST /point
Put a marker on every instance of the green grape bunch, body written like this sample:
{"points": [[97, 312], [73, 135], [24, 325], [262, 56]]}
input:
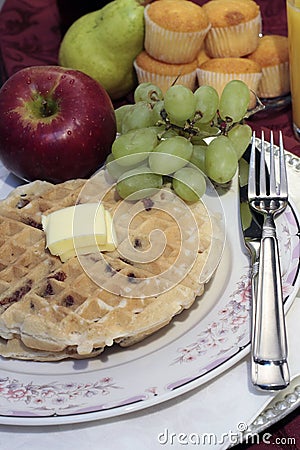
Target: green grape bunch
{"points": [[179, 138]]}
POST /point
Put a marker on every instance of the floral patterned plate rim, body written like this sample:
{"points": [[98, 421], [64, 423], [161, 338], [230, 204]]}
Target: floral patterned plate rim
{"points": [[196, 347]]}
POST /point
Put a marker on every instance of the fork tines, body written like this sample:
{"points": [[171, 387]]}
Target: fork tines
{"points": [[267, 187]]}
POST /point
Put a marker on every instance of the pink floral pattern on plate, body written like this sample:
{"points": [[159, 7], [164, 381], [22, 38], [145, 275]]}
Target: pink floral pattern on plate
{"points": [[58, 394], [234, 315]]}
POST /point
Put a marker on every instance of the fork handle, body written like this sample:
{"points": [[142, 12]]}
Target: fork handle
{"points": [[269, 340], [266, 375]]}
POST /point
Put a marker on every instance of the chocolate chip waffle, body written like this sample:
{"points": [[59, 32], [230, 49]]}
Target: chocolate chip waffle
{"points": [[51, 310]]}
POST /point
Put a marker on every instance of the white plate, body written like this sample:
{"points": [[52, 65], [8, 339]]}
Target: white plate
{"points": [[197, 346]]}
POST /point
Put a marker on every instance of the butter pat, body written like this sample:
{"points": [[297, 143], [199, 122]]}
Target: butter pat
{"points": [[109, 246], [79, 229]]}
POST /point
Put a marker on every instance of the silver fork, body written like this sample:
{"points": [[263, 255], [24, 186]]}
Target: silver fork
{"points": [[269, 367]]}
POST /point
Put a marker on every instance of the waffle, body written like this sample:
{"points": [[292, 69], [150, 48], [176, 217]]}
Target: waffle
{"points": [[51, 310]]}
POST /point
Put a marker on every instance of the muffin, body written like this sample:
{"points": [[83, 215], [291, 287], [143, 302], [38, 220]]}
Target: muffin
{"points": [[174, 30], [163, 74], [217, 72], [235, 27], [202, 56], [272, 54]]}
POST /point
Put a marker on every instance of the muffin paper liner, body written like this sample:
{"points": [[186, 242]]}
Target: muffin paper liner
{"points": [[235, 41], [275, 81], [218, 80], [165, 81], [172, 46]]}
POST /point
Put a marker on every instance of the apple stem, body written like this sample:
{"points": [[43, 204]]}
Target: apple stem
{"points": [[46, 110]]}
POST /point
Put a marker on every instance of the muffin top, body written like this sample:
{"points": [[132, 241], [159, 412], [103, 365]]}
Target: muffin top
{"points": [[231, 65], [226, 13], [146, 62], [271, 51], [178, 15]]}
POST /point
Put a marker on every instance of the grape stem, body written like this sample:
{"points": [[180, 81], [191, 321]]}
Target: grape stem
{"points": [[176, 79], [153, 96], [188, 127], [224, 125], [259, 106]]}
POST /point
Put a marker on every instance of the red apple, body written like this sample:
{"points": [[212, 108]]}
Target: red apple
{"points": [[55, 124]]}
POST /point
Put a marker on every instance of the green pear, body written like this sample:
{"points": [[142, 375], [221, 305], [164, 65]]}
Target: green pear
{"points": [[104, 44]]}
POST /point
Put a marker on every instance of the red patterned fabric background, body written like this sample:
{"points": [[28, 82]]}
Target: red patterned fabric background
{"points": [[30, 34]]}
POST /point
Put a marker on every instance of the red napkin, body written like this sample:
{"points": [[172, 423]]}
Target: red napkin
{"points": [[29, 34], [275, 121]]}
